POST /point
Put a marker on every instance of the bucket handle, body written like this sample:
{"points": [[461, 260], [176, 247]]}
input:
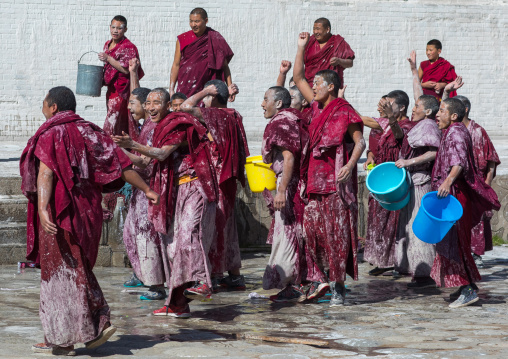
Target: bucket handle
{"points": [[410, 183], [79, 61]]}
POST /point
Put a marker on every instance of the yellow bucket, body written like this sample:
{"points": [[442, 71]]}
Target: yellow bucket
{"points": [[260, 175]]}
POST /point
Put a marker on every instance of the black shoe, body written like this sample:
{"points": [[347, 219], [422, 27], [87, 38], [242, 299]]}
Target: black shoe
{"points": [[233, 282], [467, 296], [378, 271], [420, 283], [478, 261], [456, 294], [338, 294]]}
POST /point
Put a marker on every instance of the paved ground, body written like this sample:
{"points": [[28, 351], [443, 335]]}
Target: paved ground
{"points": [[382, 319]]}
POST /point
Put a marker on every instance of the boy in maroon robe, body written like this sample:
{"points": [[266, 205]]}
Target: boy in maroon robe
{"points": [[65, 167], [455, 173], [116, 56], [185, 176], [435, 73], [330, 218], [230, 150], [201, 55], [284, 142], [326, 52]]}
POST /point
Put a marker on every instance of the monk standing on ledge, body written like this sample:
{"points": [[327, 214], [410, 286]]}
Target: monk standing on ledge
{"points": [[201, 55]]}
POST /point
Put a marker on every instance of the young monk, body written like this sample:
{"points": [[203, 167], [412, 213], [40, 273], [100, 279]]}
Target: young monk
{"points": [[436, 72], [230, 151], [176, 101], [116, 56], [201, 55], [326, 52], [185, 176], [417, 156], [284, 142], [64, 168], [455, 173], [330, 218]]}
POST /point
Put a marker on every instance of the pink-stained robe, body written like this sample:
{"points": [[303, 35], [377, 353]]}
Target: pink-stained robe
{"points": [[317, 59], [331, 216], [142, 242], [440, 71], [202, 60], [285, 131], [411, 254], [382, 223], [229, 155], [117, 97], [483, 152], [85, 162], [454, 265]]}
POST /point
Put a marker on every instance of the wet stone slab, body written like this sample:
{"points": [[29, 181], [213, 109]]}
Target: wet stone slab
{"points": [[382, 318]]}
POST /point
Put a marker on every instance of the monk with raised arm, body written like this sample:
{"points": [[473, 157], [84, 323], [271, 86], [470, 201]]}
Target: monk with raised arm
{"points": [[201, 55], [331, 216]]}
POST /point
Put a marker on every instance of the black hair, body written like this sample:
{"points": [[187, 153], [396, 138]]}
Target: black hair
{"points": [[63, 97], [401, 98], [465, 101], [324, 21], [436, 43], [295, 88], [331, 77], [141, 93], [120, 18], [199, 11], [163, 92], [178, 96], [430, 103], [456, 106], [222, 89], [281, 94]]}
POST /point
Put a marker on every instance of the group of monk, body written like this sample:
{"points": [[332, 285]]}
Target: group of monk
{"points": [[183, 151]]}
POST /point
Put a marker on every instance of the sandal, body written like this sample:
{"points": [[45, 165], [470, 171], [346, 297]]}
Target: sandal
{"points": [[102, 338], [43, 348]]}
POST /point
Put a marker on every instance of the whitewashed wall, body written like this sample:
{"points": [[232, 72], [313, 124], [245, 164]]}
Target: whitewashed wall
{"points": [[41, 41]]}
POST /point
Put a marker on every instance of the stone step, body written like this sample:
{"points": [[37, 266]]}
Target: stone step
{"points": [[12, 253], [10, 186], [12, 233], [13, 208]]}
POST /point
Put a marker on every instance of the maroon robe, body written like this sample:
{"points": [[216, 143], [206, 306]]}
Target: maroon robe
{"points": [[229, 156], [483, 152], [382, 223], [117, 97], [440, 71], [317, 59], [454, 265], [84, 160], [331, 216], [202, 60]]}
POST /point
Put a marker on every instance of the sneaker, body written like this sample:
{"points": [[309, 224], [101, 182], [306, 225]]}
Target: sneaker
{"points": [[456, 294], [338, 294], [216, 284], [133, 282], [422, 282], [154, 293], [233, 282], [317, 289], [378, 271], [200, 290], [478, 261], [172, 311], [467, 296], [291, 293]]}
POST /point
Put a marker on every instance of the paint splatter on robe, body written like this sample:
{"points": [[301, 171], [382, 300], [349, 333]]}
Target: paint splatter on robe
{"points": [[331, 216], [484, 152], [230, 151], [285, 131], [202, 60], [117, 97], [85, 162], [454, 265], [440, 71]]}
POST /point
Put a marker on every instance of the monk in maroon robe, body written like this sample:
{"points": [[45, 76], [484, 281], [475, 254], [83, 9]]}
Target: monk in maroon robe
{"points": [[455, 173], [435, 73], [326, 52], [201, 55], [116, 56], [230, 150], [65, 167], [330, 218]]}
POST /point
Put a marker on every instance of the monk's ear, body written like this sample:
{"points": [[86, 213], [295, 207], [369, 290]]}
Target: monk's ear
{"points": [[454, 117], [278, 104], [331, 88], [428, 112], [305, 103]]}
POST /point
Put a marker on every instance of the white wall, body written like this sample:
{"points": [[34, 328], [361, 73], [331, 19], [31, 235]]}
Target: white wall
{"points": [[41, 41]]}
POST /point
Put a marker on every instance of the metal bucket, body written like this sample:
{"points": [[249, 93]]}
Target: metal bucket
{"points": [[90, 79]]}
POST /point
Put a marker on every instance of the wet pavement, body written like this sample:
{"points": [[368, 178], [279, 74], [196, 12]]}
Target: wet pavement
{"points": [[381, 319]]}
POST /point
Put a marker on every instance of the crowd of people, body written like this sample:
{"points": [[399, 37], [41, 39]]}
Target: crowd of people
{"points": [[183, 150]]}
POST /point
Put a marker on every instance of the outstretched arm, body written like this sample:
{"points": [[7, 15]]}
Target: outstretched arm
{"points": [[428, 156], [285, 66], [138, 161], [355, 131], [191, 104], [132, 177], [173, 77], [417, 85], [44, 192], [299, 70], [160, 154], [452, 86], [133, 71]]}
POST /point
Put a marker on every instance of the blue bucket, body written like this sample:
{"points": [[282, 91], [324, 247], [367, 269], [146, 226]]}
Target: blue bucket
{"points": [[389, 185], [436, 217]]}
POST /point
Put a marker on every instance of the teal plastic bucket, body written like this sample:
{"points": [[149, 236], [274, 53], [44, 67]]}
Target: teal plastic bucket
{"points": [[389, 185], [90, 79], [436, 217]]}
